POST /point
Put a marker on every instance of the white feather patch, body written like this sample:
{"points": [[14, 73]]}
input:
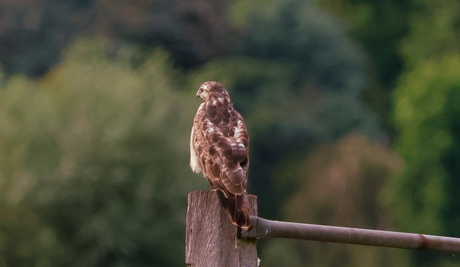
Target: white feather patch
{"points": [[194, 164]]}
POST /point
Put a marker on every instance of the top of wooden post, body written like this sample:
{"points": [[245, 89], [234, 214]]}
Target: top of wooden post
{"points": [[211, 238]]}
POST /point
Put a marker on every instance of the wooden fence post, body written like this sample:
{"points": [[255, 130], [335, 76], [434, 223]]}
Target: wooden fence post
{"points": [[211, 239]]}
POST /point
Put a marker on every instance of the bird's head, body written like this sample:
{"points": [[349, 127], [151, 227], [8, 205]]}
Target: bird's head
{"points": [[212, 90]]}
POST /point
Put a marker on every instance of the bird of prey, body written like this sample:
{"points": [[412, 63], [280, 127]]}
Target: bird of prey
{"points": [[219, 149]]}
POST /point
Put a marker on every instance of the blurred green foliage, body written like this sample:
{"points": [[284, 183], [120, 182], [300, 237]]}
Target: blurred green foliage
{"points": [[425, 198], [94, 153], [440, 22], [378, 26], [341, 185], [94, 158]]}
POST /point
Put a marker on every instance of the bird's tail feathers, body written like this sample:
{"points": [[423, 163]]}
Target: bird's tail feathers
{"points": [[237, 208]]}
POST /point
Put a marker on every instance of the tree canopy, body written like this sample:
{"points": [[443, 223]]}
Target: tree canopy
{"points": [[351, 105], [91, 162]]}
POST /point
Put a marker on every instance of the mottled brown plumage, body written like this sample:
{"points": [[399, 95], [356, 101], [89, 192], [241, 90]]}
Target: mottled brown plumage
{"points": [[219, 149]]}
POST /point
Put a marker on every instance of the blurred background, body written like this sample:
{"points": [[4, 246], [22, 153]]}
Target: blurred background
{"points": [[353, 110]]}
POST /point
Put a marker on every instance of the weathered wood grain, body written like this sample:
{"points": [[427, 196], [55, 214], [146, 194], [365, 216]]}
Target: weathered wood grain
{"points": [[211, 239]]}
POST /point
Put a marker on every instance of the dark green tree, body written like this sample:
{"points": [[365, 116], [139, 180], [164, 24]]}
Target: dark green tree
{"points": [[378, 26]]}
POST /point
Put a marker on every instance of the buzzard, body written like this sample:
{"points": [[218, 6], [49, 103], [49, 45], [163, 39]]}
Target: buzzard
{"points": [[219, 149]]}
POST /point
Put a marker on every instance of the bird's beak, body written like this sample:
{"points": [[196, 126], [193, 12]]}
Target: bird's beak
{"points": [[197, 95]]}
